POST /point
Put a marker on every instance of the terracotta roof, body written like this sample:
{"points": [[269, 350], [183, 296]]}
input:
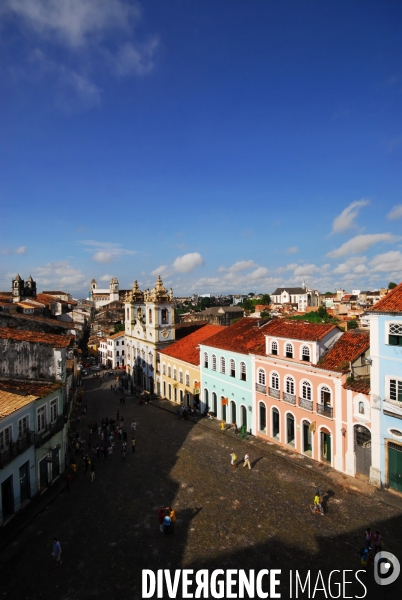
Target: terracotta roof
{"points": [[362, 387], [244, 336], [54, 322], [116, 335], [16, 394], [349, 347], [187, 349], [299, 330], [51, 339], [391, 303]]}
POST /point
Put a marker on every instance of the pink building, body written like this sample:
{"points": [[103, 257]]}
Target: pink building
{"points": [[301, 399]]}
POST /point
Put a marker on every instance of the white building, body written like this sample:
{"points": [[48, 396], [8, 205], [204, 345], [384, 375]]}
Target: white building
{"points": [[302, 296], [115, 347], [100, 297], [149, 327]]}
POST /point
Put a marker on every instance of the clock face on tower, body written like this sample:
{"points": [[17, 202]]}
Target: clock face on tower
{"points": [[165, 333]]}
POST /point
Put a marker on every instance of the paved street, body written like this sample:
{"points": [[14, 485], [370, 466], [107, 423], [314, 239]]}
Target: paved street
{"points": [[227, 518]]}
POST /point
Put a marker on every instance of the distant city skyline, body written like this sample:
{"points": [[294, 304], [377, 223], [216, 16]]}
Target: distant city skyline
{"points": [[230, 148]]}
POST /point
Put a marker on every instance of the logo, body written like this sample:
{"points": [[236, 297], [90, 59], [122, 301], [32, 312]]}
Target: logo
{"points": [[386, 568]]}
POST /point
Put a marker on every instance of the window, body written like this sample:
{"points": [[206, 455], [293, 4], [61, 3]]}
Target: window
{"points": [[275, 381], [306, 353], [289, 351], [263, 417], [243, 372], [261, 376], [306, 390], [232, 368], [274, 348], [206, 360], [169, 372], [150, 316], [395, 390], [122, 342], [165, 316], [174, 374], [163, 369], [41, 418], [181, 376], [5, 438], [290, 385], [395, 334], [223, 365], [187, 380], [325, 396], [53, 411], [361, 408], [170, 391], [117, 353], [117, 343], [213, 362], [128, 313], [23, 425]]}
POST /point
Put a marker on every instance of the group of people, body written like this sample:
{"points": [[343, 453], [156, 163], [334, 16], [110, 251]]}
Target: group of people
{"points": [[372, 542], [233, 459], [167, 520]]}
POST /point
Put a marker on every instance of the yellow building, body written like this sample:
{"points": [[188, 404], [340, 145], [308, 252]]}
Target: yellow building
{"points": [[179, 366]]}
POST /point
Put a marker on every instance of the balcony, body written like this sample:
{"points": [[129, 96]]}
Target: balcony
{"points": [[274, 393], [16, 448], [326, 411], [306, 404], [289, 398], [262, 389], [50, 430]]}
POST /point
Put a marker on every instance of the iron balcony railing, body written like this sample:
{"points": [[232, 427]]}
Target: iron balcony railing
{"points": [[289, 398], [306, 404], [323, 409], [16, 448], [50, 430], [261, 388], [274, 393]]}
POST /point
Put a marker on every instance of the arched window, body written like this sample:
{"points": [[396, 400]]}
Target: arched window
{"points": [[206, 360], [361, 408], [306, 390], [163, 369], [289, 350], [243, 372], [274, 348], [275, 381], [232, 368], [213, 362], [290, 385], [169, 372], [150, 316], [181, 376], [165, 316], [261, 376], [325, 396], [187, 380], [174, 373], [206, 399], [223, 365], [263, 417], [275, 424], [306, 353]]}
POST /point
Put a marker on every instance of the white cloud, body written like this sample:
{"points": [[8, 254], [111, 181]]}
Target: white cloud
{"points": [[106, 277], [59, 275], [361, 243], [257, 274], [20, 250], [303, 270], [354, 264], [105, 252], [396, 212], [242, 265], [346, 219], [160, 270], [292, 250], [389, 262], [187, 262], [290, 267]]}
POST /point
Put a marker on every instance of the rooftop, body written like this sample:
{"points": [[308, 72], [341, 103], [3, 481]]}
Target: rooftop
{"points": [[187, 349], [299, 330], [349, 347], [243, 337], [116, 335], [17, 394], [50, 339], [390, 304]]}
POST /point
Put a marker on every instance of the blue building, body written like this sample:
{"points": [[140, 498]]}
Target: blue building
{"points": [[227, 378], [386, 390]]}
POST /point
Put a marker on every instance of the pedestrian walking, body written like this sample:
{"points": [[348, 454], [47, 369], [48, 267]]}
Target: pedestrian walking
{"points": [[133, 444], [367, 537], [377, 541], [233, 458], [99, 430], [161, 516], [92, 473], [167, 523], [247, 461], [123, 453], [110, 452], [172, 518], [57, 553]]}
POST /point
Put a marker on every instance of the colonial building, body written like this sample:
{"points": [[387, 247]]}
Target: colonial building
{"points": [[115, 351], [300, 297], [102, 296], [386, 389], [149, 327], [21, 289], [179, 366]]}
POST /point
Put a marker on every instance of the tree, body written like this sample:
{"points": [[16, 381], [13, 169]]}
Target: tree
{"points": [[391, 285], [352, 324], [251, 295], [322, 312], [265, 299], [248, 305]]}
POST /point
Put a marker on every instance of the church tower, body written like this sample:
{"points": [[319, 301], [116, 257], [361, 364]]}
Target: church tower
{"points": [[18, 288], [114, 289]]}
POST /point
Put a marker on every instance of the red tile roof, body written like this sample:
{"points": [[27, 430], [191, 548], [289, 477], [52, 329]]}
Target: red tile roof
{"points": [[299, 330], [16, 394], [391, 303], [349, 347], [244, 336], [187, 349], [50, 339], [362, 387]]}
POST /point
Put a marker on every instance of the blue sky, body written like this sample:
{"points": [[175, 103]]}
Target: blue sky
{"points": [[230, 146]]}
